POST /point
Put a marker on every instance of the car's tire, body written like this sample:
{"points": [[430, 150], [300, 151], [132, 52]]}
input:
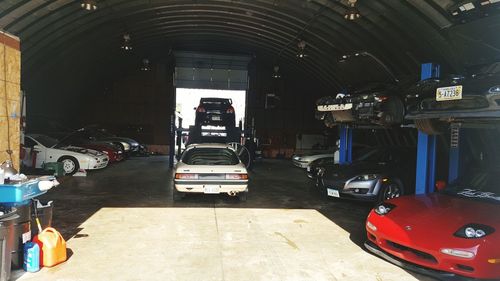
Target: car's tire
{"points": [[320, 115], [176, 195], [242, 196], [329, 120], [70, 164], [431, 126], [393, 189]]}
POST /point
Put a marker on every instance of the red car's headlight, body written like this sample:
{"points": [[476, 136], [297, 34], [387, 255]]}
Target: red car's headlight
{"points": [[384, 208], [474, 230]]}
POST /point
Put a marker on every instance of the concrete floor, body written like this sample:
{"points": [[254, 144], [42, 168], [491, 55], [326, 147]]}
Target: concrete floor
{"points": [[121, 224]]}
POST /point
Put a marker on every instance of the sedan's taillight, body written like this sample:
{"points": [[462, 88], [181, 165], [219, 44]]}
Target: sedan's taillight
{"points": [[236, 176], [201, 109], [230, 110], [181, 176]]}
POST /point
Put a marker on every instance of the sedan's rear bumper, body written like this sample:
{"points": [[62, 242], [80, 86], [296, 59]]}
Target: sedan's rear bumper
{"points": [[199, 187], [441, 275]]}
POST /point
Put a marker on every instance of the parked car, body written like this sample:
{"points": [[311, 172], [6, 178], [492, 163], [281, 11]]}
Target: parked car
{"points": [[215, 112], [381, 174], [210, 168], [320, 164], [96, 133], [303, 160], [115, 154], [455, 98], [313, 167], [42, 149], [453, 233]]}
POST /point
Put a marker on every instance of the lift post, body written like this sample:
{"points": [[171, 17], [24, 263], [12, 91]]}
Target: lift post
{"points": [[426, 148], [345, 144], [171, 147]]}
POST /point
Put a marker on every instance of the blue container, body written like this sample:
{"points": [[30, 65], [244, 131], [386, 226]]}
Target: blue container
{"points": [[31, 257]]}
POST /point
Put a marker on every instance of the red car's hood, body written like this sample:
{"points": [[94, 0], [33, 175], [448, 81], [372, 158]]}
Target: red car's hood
{"points": [[425, 217]]}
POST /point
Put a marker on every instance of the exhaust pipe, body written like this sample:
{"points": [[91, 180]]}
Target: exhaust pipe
{"points": [[232, 193]]}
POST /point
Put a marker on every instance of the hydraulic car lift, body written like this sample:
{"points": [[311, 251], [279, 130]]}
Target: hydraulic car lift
{"points": [[426, 147], [233, 136]]}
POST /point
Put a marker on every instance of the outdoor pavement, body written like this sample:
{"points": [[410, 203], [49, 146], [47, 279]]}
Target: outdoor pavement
{"points": [[120, 223]]}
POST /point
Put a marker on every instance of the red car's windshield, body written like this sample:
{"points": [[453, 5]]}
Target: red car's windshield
{"points": [[481, 185]]}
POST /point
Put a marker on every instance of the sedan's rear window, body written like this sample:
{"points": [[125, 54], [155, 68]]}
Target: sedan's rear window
{"points": [[210, 156]]}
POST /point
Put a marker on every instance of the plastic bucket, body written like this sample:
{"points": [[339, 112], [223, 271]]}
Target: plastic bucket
{"points": [[7, 237], [22, 234]]}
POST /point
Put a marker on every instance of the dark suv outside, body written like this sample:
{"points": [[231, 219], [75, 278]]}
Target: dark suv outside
{"points": [[215, 112]]}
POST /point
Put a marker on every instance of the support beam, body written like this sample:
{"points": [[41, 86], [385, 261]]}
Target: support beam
{"points": [[345, 146], [171, 147], [426, 147], [426, 164]]}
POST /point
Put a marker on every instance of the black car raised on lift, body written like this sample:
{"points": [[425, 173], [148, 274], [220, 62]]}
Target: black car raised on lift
{"points": [[215, 112], [433, 102]]}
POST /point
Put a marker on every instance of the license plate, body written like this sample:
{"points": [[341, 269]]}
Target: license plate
{"points": [[211, 189], [335, 107], [449, 93], [216, 118], [332, 192]]}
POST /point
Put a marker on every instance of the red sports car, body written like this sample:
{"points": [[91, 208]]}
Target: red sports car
{"points": [[454, 233], [114, 154]]}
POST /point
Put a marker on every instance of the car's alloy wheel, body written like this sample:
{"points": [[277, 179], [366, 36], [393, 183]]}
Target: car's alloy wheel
{"points": [[70, 165]]}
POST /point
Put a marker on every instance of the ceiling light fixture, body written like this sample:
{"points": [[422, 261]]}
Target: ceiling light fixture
{"points": [[89, 5], [352, 11], [276, 73], [126, 45], [302, 46], [145, 65]]}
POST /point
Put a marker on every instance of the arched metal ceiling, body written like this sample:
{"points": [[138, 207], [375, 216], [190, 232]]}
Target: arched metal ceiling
{"points": [[58, 35]]}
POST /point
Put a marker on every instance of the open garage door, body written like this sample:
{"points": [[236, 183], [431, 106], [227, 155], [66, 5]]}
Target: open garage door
{"points": [[211, 93], [211, 71]]}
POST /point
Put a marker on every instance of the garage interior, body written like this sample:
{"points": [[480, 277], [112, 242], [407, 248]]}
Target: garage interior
{"points": [[117, 64]]}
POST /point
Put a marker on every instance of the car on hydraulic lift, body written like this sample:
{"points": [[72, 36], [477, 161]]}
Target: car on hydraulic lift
{"points": [[453, 234], [373, 104], [372, 96], [475, 98], [210, 168], [215, 112], [41, 149], [380, 174]]}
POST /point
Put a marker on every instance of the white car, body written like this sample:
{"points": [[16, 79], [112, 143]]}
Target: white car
{"points": [[302, 161], [40, 149], [210, 168]]}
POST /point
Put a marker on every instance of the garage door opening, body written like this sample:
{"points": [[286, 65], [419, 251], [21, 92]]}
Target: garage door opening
{"points": [[188, 99]]}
